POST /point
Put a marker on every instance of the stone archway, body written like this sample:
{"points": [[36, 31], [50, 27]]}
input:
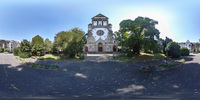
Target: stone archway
{"points": [[100, 47]]}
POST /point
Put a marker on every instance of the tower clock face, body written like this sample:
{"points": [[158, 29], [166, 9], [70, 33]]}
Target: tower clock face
{"points": [[100, 33]]}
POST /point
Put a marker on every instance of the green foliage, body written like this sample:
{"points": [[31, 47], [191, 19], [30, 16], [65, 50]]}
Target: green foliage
{"points": [[185, 52], [6, 50], [199, 50], [164, 43], [25, 46], [141, 32], [61, 40], [142, 57], [48, 45], [76, 45], [43, 66], [173, 49], [37, 45], [24, 54], [16, 51], [193, 50], [70, 42], [122, 37], [24, 49], [1, 49]]}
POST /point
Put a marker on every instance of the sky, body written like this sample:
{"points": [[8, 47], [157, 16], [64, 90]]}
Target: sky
{"points": [[24, 19]]}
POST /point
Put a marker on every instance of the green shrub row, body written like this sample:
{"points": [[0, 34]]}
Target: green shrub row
{"points": [[185, 52], [42, 66], [175, 51], [24, 54]]}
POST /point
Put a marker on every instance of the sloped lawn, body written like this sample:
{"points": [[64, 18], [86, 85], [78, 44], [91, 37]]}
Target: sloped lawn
{"points": [[142, 57]]}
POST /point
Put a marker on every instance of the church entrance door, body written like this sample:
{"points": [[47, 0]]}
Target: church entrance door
{"points": [[86, 49], [114, 48], [100, 47]]}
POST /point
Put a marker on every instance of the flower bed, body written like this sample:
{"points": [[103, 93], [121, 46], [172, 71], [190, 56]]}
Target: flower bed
{"points": [[162, 67], [42, 66]]}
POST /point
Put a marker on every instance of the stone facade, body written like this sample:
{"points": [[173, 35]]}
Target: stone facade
{"points": [[100, 37]]}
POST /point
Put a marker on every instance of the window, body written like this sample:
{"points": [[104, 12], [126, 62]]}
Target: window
{"points": [[104, 23], [100, 32], [100, 23], [95, 23]]}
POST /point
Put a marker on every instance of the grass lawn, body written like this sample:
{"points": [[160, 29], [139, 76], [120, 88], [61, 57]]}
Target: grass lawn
{"points": [[55, 57], [142, 57]]}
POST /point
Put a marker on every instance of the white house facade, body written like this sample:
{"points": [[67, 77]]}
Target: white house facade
{"points": [[192, 46]]}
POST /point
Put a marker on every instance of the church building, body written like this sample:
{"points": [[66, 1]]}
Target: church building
{"points": [[100, 37]]}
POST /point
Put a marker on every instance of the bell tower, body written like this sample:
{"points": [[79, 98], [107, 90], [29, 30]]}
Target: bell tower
{"points": [[100, 35]]}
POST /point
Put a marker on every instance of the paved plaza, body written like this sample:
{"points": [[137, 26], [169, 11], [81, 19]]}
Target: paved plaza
{"points": [[98, 80]]}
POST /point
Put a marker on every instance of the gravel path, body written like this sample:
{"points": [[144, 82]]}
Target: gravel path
{"points": [[105, 80]]}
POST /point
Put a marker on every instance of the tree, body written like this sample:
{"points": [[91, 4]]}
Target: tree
{"points": [[165, 42], [61, 40], [122, 37], [16, 51], [141, 29], [48, 45], [70, 42], [159, 46], [37, 45], [173, 49], [24, 49], [1, 49], [76, 45]]}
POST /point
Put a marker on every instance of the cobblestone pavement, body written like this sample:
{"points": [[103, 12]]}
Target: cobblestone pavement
{"points": [[98, 80]]}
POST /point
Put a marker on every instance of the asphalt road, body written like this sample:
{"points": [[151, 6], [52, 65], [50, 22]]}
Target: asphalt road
{"points": [[93, 80]]}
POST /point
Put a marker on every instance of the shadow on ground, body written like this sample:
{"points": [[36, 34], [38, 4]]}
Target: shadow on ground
{"points": [[93, 80]]}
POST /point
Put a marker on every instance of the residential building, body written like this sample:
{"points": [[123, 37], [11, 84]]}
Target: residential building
{"points": [[10, 44], [192, 46]]}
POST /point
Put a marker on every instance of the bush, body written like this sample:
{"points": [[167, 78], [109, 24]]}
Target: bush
{"points": [[1, 49], [16, 51], [6, 50], [24, 49], [81, 57], [199, 50], [184, 52], [173, 49], [24, 54]]}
